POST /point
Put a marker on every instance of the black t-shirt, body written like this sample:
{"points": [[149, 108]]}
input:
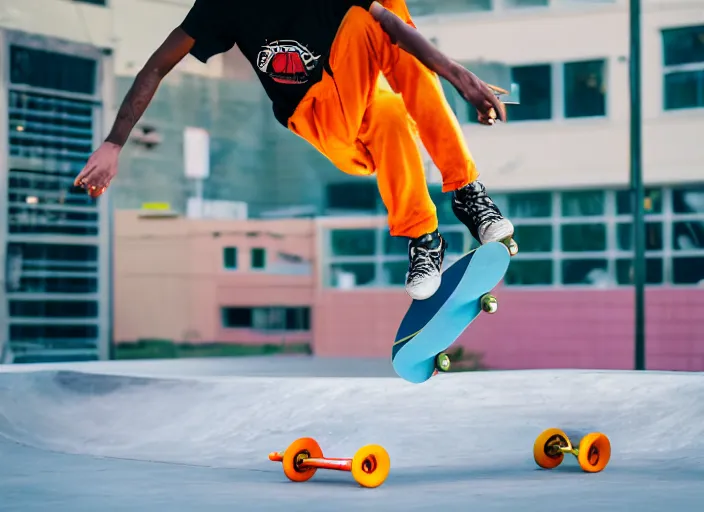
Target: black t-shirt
{"points": [[287, 41]]}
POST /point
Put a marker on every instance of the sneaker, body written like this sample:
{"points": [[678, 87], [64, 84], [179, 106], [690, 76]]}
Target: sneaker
{"points": [[425, 255], [475, 209]]}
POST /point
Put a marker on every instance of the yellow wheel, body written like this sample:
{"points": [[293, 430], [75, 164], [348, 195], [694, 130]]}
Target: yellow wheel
{"points": [[489, 303], [594, 452], [546, 449], [442, 362], [297, 452], [512, 246], [370, 465]]}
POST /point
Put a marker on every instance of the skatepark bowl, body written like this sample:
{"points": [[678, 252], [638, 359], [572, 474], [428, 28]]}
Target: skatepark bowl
{"points": [[196, 435]]}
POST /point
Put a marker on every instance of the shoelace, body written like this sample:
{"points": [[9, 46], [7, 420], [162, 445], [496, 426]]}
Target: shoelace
{"points": [[422, 263], [479, 205]]}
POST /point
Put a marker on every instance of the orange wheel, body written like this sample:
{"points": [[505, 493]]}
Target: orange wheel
{"points": [[370, 465], [594, 452], [297, 452], [546, 449]]}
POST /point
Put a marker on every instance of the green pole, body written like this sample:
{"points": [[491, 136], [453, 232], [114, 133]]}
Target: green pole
{"points": [[637, 183]]}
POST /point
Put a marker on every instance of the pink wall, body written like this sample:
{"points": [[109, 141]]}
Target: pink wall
{"points": [[533, 329], [170, 283]]}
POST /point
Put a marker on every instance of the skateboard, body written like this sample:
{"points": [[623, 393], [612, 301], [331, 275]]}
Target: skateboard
{"points": [[369, 466], [593, 452], [432, 325]]}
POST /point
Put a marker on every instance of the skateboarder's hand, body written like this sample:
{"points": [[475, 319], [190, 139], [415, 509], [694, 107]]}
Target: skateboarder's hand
{"points": [[478, 94], [100, 169]]}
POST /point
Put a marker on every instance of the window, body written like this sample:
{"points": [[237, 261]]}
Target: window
{"points": [[585, 88], [353, 242], [53, 309], [258, 256], [229, 257], [688, 235], [52, 70], [569, 238], [683, 51], [358, 196], [535, 82], [271, 318]]}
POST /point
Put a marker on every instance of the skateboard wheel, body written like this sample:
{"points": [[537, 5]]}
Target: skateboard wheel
{"points": [[442, 362], [512, 246], [370, 465], [297, 452], [547, 449], [489, 303], [594, 452]]}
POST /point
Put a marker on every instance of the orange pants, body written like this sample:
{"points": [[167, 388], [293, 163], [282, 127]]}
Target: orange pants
{"points": [[363, 128]]}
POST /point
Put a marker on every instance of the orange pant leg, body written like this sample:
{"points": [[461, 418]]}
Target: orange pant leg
{"points": [[340, 117]]}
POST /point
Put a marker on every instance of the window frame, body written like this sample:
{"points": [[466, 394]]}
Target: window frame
{"points": [[612, 254], [667, 69]]}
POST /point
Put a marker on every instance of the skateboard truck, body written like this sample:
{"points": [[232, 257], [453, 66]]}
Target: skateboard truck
{"points": [[369, 466], [593, 453]]}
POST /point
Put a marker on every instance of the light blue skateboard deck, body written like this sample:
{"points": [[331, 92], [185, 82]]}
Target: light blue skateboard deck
{"points": [[432, 325]]}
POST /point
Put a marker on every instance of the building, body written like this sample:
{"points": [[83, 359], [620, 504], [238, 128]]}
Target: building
{"points": [[54, 242]]}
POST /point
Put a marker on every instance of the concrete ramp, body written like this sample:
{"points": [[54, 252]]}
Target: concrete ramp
{"points": [[460, 439]]}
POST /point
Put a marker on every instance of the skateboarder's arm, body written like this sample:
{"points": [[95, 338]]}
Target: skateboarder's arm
{"points": [[412, 41], [174, 48]]}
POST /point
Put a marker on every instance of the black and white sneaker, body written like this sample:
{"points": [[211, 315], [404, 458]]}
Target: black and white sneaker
{"points": [[475, 209], [425, 255]]}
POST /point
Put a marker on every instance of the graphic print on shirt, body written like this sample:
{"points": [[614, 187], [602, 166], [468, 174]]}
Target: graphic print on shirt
{"points": [[287, 62]]}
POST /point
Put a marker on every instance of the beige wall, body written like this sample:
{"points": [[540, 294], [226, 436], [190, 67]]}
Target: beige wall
{"points": [[578, 152]]}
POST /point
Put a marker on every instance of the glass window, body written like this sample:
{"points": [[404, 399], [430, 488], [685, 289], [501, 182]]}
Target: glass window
{"points": [[593, 272], [528, 205], [583, 237], [683, 45], [53, 309], [585, 88], [394, 273], [258, 258], [653, 271], [684, 89], [533, 238], [652, 203], [353, 242], [52, 70], [352, 275], [443, 205], [688, 200], [529, 273], [688, 235], [535, 82], [229, 256], [585, 203], [653, 236], [683, 51], [688, 270]]}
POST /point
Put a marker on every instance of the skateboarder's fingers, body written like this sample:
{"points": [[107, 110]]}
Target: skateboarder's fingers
{"points": [[497, 105]]}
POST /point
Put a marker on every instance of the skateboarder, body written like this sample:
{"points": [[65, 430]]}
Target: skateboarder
{"points": [[319, 62]]}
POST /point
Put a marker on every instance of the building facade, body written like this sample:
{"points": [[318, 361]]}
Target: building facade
{"points": [[55, 248]]}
